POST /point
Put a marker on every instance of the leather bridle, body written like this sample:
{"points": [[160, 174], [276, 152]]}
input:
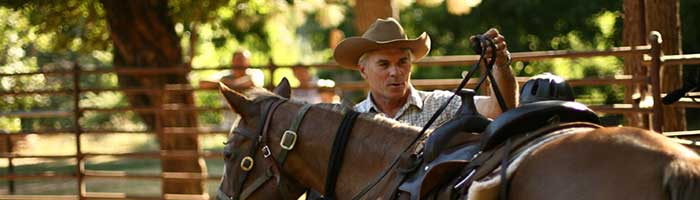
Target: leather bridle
{"points": [[260, 142], [287, 143]]}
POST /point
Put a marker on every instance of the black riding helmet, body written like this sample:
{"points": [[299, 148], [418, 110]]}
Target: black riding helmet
{"points": [[546, 86]]}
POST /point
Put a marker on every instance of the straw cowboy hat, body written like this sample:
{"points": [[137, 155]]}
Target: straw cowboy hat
{"points": [[383, 33]]}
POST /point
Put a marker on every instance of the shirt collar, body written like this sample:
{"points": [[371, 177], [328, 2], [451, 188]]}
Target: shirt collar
{"points": [[368, 105]]}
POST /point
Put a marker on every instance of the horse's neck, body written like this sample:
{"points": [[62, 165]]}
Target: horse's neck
{"points": [[371, 148]]}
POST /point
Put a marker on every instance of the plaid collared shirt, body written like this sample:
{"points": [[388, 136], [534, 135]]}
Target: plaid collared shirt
{"points": [[419, 107]]}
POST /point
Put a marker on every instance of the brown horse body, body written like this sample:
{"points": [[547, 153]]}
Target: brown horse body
{"points": [[607, 163]]}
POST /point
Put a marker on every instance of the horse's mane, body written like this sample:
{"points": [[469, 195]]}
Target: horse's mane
{"points": [[260, 94]]}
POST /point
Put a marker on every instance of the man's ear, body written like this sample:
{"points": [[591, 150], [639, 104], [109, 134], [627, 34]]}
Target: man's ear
{"points": [[362, 70], [283, 89], [237, 101]]}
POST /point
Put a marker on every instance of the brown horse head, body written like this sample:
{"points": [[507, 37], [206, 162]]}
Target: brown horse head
{"points": [[248, 172]]}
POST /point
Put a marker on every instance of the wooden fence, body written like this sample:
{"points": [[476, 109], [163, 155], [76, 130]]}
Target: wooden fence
{"points": [[654, 61]]}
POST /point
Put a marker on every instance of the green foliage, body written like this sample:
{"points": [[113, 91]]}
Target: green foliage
{"points": [[47, 35], [527, 26]]}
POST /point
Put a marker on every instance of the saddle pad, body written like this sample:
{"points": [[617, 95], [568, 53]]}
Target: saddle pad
{"points": [[488, 188]]}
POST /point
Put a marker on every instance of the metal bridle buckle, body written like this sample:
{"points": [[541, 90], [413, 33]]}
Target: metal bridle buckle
{"points": [[289, 139], [247, 163], [266, 151]]}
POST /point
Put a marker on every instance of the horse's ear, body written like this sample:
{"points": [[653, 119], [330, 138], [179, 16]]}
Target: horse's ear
{"points": [[237, 101], [283, 89]]}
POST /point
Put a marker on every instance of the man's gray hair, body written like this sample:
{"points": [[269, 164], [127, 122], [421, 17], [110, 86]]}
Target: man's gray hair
{"points": [[363, 58]]}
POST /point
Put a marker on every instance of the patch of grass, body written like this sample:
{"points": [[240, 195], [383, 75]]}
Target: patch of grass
{"points": [[112, 143]]}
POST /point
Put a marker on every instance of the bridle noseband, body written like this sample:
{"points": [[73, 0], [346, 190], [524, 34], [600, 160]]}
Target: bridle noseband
{"points": [[260, 137]]}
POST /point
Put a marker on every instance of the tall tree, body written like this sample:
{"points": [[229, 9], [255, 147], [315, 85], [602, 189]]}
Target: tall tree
{"points": [[367, 11], [143, 36], [633, 34]]}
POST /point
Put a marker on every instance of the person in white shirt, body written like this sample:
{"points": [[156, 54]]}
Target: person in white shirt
{"points": [[383, 55]]}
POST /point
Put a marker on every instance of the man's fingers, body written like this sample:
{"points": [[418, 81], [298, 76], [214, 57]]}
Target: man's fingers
{"points": [[499, 47], [499, 39], [492, 33]]}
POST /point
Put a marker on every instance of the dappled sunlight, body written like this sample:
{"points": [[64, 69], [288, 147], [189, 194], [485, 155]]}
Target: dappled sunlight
{"points": [[42, 41], [119, 143], [34, 144], [212, 142], [429, 3]]}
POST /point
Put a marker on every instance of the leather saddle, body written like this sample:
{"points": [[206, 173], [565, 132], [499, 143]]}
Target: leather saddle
{"points": [[532, 116], [448, 149], [461, 129], [451, 147]]}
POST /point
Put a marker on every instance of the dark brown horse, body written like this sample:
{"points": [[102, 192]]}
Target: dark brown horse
{"points": [[606, 163]]}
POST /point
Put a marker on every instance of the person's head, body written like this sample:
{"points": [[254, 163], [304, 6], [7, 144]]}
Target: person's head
{"points": [[302, 73], [387, 71], [544, 87], [240, 60], [383, 55], [328, 95]]}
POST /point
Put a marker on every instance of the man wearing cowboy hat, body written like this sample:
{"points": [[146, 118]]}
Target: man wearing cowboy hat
{"points": [[384, 54]]}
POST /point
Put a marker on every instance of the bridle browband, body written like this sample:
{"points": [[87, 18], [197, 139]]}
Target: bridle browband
{"points": [[287, 143]]}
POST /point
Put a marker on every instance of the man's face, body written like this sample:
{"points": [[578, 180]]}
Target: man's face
{"points": [[239, 63], [301, 73], [388, 73]]}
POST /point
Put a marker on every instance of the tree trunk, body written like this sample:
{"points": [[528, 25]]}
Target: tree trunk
{"points": [[634, 33], [368, 11], [143, 35], [664, 16]]}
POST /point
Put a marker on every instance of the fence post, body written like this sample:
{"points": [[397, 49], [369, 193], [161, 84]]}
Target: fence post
{"points": [[658, 117], [272, 67], [79, 164], [10, 165]]}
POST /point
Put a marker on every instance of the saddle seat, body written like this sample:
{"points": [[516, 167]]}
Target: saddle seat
{"points": [[463, 128], [532, 116]]}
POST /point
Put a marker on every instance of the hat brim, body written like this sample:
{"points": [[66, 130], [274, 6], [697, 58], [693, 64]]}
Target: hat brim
{"points": [[348, 52]]}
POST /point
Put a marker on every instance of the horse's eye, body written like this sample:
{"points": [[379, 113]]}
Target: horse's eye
{"points": [[227, 152]]}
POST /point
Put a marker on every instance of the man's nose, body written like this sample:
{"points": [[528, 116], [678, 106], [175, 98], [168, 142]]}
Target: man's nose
{"points": [[394, 70]]}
